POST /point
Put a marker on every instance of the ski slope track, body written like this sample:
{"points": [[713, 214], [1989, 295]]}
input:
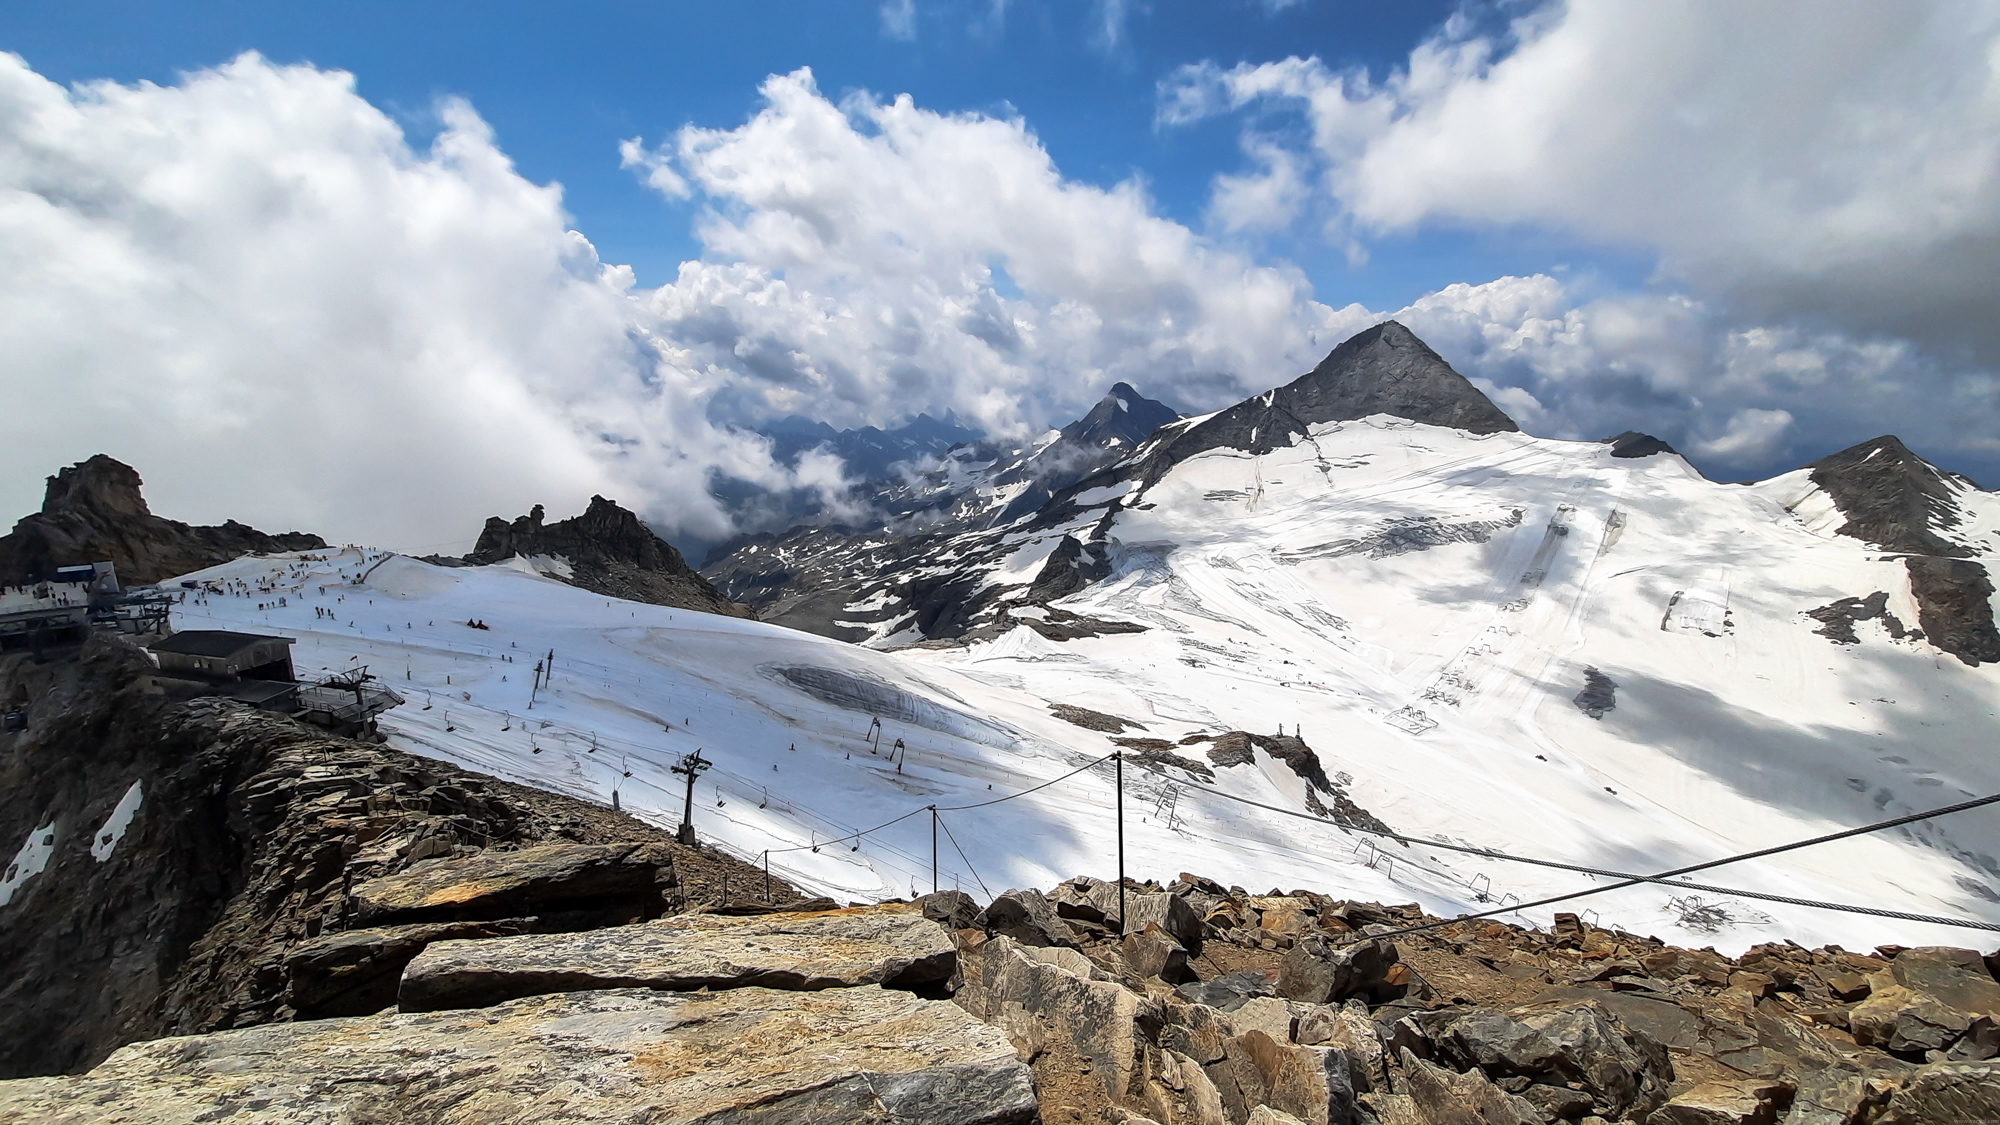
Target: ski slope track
{"points": [[1490, 639]]}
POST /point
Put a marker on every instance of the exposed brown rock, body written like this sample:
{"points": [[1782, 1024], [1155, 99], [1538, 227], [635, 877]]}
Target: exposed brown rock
{"points": [[93, 512], [611, 552]]}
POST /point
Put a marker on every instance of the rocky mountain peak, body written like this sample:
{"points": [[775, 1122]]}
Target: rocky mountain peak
{"points": [[1893, 498], [1121, 417], [102, 485], [93, 512], [1388, 370], [1381, 370], [610, 550]]}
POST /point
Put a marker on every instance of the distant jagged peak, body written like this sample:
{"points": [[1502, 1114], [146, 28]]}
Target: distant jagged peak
{"points": [[1122, 417], [1893, 498], [610, 551]]}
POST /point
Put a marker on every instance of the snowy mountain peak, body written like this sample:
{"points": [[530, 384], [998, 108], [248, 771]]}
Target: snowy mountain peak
{"points": [[1122, 417], [1895, 499], [1381, 370]]}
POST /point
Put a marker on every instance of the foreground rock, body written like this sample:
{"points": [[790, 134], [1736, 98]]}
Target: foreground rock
{"points": [[750, 1054], [801, 952], [606, 884]]}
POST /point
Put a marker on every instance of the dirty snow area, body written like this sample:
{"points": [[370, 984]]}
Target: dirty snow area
{"points": [[1422, 606], [29, 862], [105, 841]]}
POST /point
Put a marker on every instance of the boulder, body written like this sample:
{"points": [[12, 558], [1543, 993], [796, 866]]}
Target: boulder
{"points": [[1196, 1030], [1033, 1001], [954, 910], [1265, 1115], [355, 972], [1268, 1014], [800, 952], [1896, 1018], [1349, 1028], [1310, 1083], [1154, 953], [1948, 1093], [1316, 972], [1626, 1070], [1444, 1098], [596, 884], [848, 1055], [1725, 1103], [1027, 917], [1292, 917], [1926, 1000], [1500, 1046], [1228, 992], [1170, 913]]}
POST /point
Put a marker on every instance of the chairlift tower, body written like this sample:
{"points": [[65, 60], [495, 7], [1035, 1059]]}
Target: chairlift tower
{"points": [[690, 766]]}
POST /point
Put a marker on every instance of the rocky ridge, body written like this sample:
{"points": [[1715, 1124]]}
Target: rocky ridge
{"points": [[224, 898], [607, 550], [931, 584], [94, 511], [1895, 500], [822, 578], [1215, 1007]]}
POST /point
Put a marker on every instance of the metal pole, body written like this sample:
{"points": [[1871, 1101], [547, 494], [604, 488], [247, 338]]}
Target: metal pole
{"points": [[1120, 759], [767, 875], [934, 869]]}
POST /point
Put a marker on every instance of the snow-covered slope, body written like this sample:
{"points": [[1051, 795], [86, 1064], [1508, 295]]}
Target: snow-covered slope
{"points": [[1494, 639]]}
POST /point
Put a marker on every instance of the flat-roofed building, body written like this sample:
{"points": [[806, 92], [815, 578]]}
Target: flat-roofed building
{"points": [[221, 654]]}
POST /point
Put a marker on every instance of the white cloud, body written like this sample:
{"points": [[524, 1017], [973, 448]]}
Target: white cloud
{"points": [[1749, 435], [251, 287], [1268, 199], [1567, 360], [899, 19], [1831, 161], [868, 259]]}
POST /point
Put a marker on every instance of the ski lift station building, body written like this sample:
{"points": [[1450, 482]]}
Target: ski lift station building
{"points": [[223, 655]]}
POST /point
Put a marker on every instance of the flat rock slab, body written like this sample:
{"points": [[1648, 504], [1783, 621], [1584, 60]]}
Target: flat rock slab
{"points": [[502, 884], [750, 1054], [800, 952]]}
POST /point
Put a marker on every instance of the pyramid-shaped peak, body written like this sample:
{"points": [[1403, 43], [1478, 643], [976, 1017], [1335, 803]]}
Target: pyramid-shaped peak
{"points": [[1892, 497], [1386, 369]]}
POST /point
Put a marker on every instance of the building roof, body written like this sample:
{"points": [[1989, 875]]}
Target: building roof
{"points": [[217, 643]]}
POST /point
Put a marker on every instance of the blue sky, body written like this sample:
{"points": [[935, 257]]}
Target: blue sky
{"points": [[1761, 232], [562, 88]]}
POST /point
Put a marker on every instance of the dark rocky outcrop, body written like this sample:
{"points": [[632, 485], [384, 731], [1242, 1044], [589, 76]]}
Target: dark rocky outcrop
{"points": [[1955, 606], [93, 511], [1837, 618], [610, 551], [1893, 498], [1898, 501], [1068, 569], [1599, 694], [1632, 443]]}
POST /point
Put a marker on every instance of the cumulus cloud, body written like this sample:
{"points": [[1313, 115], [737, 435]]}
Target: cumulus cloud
{"points": [[1568, 359], [253, 288], [869, 258], [1832, 160]]}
